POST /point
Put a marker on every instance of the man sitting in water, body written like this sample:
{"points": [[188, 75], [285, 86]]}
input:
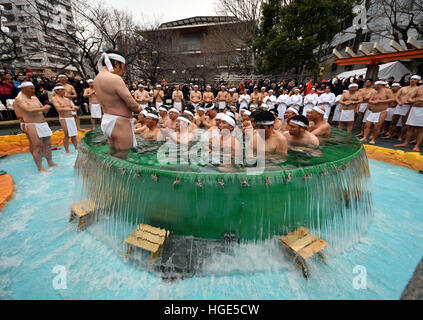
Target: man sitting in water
{"points": [[189, 111], [298, 134], [273, 140], [320, 126], [171, 122], [278, 124], [210, 120], [152, 131], [246, 122], [64, 107], [163, 115], [288, 115], [181, 134], [225, 141], [117, 102], [29, 109], [200, 116], [140, 125]]}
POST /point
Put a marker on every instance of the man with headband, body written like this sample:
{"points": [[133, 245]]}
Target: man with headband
{"points": [[117, 102], [208, 96], [244, 100], [222, 97], [158, 95], [195, 97], [320, 126], [95, 107], [310, 101], [298, 134], [30, 110], [177, 97], [327, 100], [70, 93], [65, 107], [181, 134], [265, 135], [152, 131], [232, 97], [142, 97], [171, 122], [415, 118], [296, 100], [289, 113], [363, 109], [349, 107], [283, 102], [378, 105], [163, 115], [210, 120], [391, 109], [200, 115], [246, 122]]}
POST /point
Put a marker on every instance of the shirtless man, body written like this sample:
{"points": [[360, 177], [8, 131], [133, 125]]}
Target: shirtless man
{"points": [[378, 104], [298, 134], [288, 115], [273, 140], [64, 107], [177, 97], [118, 104], [190, 113], [163, 115], [208, 96], [70, 93], [320, 126], [29, 109], [246, 121], [263, 94], [195, 97], [152, 131], [181, 134], [210, 120], [95, 108], [365, 93], [415, 117], [232, 98], [142, 97], [278, 123], [170, 124], [403, 106], [225, 143], [140, 126], [391, 109], [255, 98], [200, 116], [349, 102], [158, 95], [222, 97]]}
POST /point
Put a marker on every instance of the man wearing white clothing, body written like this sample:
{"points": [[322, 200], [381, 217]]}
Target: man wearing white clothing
{"points": [[283, 103], [177, 97], [327, 100], [270, 99], [244, 100], [296, 100], [95, 108], [310, 101]]}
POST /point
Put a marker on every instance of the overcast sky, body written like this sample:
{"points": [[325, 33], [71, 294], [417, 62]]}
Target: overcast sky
{"points": [[165, 10]]}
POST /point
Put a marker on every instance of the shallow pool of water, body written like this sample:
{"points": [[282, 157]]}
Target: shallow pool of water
{"points": [[36, 237]]}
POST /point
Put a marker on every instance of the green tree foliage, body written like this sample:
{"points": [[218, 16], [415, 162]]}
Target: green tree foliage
{"points": [[293, 36]]}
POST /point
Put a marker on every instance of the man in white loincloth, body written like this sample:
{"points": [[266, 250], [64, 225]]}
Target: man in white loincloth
{"points": [[29, 109], [65, 107], [142, 97], [118, 104], [177, 97], [95, 108], [349, 107], [365, 93]]}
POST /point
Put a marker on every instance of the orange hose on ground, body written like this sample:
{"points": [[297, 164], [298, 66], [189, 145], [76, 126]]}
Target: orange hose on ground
{"points": [[6, 189], [19, 143]]}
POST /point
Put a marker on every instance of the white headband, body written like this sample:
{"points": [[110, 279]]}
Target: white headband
{"points": [[140, 85], [230, 114], [353, 85], [293, 110], [416, 77], [300, 123], [58, 88], [184, 119], [380, 82], [152, 115], [219, 116], [202, 109], [316, 108], [106, 58], [265, 123], [144, 112], [208, 87], [264, 105], [174, 110], [62, 76], [396, 85], [210, 108], [247, 112], [229, 120], [162, 109], [26, 84], [189, 112]]}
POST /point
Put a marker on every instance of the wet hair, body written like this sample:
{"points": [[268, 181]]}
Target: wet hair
{"points": [[274, 111], [209, 105], [184, 116], [262, 116], [301, 118], [113, 61], [189, 106]]}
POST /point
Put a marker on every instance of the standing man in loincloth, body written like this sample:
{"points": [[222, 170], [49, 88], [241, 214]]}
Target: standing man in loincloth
{"points": [[222, 97], [142, 97], [208, 96], [29, 109], [415, 118], [70, 93], [158, 95], [255, 98], [363, 110], [195, 97], [378, 104], [117, 102], [349, 102], [177, 97], [65, 107], [95, 107]]}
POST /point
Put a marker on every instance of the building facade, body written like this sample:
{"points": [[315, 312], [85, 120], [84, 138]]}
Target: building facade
{"points": [[20, 18]]}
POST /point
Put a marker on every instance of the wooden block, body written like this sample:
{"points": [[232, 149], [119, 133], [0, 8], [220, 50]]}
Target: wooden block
{"points": [[291, 237], [152, 230], [297, 245], [312, 249], [83, 208], [143, 244], [150, 237]]}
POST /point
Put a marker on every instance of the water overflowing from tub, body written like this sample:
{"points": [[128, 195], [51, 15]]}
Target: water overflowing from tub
{"points": [[325, 190]]}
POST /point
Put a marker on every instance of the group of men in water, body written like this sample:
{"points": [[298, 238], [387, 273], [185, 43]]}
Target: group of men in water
{"points": [[274, 123]]}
